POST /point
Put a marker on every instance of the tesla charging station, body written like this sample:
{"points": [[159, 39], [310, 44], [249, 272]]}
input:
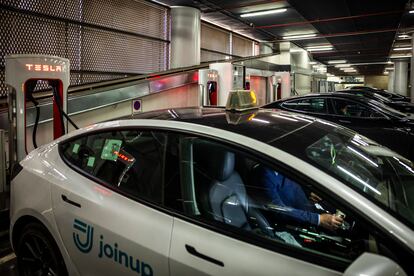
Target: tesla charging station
{"points": [[22, 74], [207, 79]]}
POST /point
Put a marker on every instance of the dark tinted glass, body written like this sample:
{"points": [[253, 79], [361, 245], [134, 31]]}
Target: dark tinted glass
{"points": [[353, 109], [314, 105], [131, 161], [225, 187]]}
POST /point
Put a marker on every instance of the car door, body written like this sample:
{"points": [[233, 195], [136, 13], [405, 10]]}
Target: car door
{"points": [[227, 225], [372, 124], [231, 222], [104, 206]]}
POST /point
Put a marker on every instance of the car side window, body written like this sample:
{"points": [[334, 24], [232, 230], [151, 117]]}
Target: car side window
{"points": [[130, 161], [227, 188], [353, 109], [313, 105]]}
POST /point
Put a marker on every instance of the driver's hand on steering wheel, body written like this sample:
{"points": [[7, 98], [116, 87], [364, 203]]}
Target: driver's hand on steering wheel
{"points": [[330, 222]]}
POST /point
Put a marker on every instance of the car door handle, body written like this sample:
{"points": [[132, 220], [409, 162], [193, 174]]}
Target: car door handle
{"points": [[193, 251], [66, 199], [344, 121]]}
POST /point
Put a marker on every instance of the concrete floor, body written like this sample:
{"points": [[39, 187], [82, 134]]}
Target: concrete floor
{"points": [[8, 265], [7, 257]]}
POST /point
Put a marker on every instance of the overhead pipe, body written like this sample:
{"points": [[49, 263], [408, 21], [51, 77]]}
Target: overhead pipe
{"points": [[349, 43], [232, 7], [355, 33], [350, 55], [326, 20], [361, 50]]}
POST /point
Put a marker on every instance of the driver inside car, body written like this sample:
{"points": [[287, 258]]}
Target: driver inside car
{"points": [[291, 202]]}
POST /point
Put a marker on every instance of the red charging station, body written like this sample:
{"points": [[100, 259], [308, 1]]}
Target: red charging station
{"points": [[207, 81]]}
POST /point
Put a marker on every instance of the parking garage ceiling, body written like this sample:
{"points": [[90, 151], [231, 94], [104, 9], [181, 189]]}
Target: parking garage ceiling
{"points": [[360, 31]]}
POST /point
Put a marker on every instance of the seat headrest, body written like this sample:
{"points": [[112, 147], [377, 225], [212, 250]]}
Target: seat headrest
{"points": [[215, 160]]}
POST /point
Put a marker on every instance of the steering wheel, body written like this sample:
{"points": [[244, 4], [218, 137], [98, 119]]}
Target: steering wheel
{"points": [[255, 216]]}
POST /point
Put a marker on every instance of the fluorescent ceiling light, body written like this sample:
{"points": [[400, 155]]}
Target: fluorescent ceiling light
{"points": [[296, 50], [412, 11], [342, 65], [313, 62], [337, 61], [305, 36], [319, 49], [320, 46], [403, 36], [403, 49], [259, 13], [389, 69], [400, 56]]}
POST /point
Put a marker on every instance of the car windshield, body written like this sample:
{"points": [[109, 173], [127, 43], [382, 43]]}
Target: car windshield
{"points": [[378, 173]]}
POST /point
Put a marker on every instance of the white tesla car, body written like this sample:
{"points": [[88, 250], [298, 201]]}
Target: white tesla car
{"points": [[202, 191]]}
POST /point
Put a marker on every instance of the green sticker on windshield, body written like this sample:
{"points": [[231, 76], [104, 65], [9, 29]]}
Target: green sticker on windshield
{"points": [[91, 161], [75, 149], [111, 149]]}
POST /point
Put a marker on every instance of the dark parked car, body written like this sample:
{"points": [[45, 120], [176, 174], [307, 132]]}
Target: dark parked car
{"points": [[405, 107], [391, 96], [368, 117]]}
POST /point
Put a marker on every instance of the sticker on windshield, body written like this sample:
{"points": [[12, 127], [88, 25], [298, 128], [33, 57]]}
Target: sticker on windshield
{"points": [[91, 161], [75, 149], [110, 149]]}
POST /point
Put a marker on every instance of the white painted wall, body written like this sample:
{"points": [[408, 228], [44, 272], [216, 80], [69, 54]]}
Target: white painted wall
{"points": [[286, 83], [225, 80]]}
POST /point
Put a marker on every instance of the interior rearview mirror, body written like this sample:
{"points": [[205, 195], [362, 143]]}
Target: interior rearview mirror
{"points": [[369, 264]]}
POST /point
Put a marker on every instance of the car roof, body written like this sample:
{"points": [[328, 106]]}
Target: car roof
{"points": [[338, 94], [356, 91], [264, 125]]}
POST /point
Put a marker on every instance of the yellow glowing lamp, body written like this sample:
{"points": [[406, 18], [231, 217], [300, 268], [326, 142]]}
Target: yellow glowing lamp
{"points": [[241, 100]]}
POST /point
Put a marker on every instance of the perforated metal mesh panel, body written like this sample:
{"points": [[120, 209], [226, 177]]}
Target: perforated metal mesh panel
{"points": [[103, 39], [242, 47], [215, 39]]}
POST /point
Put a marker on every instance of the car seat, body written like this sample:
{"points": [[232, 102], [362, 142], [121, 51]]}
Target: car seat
{"points": [[220, 191]]}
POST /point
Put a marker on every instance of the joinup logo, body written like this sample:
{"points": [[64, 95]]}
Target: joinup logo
{"points": [[87, 230], [112, 252]]}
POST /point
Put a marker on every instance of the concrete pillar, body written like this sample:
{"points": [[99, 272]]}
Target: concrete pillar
{"points": [[412, 70], [391, 77], [401, 77], [185, 36]]}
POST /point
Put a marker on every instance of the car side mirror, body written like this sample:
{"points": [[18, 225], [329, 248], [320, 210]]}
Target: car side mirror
{"points": [[369, 264]]}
